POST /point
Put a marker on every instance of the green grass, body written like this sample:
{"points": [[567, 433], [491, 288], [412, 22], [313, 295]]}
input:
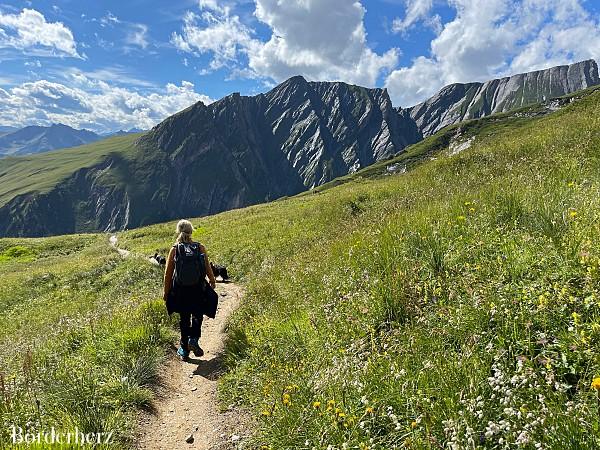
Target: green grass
{"points": [[453, 306], [40, 173], [82, 336]]}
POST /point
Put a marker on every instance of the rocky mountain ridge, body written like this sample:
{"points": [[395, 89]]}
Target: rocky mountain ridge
{"points": [[458, 102], [243, 150]]}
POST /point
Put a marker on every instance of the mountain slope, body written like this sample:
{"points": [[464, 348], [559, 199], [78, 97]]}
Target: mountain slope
{"points": [[241, 151], [458, 102], [37, 139]]}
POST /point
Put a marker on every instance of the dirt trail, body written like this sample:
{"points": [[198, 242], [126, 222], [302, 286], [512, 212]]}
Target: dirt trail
{"points": [[186, 402]]}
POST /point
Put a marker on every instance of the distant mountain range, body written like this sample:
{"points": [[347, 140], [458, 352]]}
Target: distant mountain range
{"points": [[39, 139], [245, 150]]}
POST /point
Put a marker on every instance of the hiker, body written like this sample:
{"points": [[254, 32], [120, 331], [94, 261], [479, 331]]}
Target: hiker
{"points": [[185, 287]]}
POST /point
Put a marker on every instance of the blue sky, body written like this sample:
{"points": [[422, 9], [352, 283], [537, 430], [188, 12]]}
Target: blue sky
{"points": [[108, 65]]}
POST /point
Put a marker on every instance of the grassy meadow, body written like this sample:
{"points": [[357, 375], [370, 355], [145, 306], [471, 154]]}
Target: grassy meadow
{"points": [[454, 306]]}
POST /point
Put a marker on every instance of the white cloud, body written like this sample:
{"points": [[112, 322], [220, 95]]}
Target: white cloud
{"points": [[109, 20], [417, 10], [215, 31], [30, 33], [320, 39], [504, 37], [93, 104], [137, 35]]}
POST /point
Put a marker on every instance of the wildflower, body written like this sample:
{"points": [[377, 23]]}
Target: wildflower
{"points": [[316, 405], [461, 218], [596, 383], [413, 424], [330, 405], [572, 214], [369, 410], [266, 413], [286, 399]]}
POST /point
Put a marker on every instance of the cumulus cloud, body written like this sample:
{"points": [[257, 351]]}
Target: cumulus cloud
{"points": [[320, 39], [505, 37], [93, 104], [30, 33], [216, 31]]}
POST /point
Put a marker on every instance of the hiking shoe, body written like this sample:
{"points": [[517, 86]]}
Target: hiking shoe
{"points": [[195, 347], [183, 353]]}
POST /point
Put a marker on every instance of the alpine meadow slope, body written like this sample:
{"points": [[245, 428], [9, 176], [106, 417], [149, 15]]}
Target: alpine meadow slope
{"points": [[244, 150], [452, 303]]}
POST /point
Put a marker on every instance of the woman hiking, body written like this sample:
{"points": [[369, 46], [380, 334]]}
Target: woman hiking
{"points": [[184, 287]]}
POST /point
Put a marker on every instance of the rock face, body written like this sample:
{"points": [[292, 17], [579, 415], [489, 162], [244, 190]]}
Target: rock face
{"points": [[458, 102], [244, 150], [36, 139]]}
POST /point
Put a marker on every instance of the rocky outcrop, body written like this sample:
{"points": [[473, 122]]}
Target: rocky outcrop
{"points": [[245, 150], [458, 102]]}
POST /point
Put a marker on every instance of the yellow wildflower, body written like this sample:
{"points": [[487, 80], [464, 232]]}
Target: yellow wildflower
{"points": [[413, 424], [286, 399], [572, 214], [596, 383], [369, 410], [316, 405], [266, 413]]}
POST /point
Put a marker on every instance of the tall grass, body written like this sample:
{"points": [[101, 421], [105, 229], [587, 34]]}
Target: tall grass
{"points": [[82, 337]]}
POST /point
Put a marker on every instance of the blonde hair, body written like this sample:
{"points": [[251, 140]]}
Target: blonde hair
{"points": [[184, 230]]}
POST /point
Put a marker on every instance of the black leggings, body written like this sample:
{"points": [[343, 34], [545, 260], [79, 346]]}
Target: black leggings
{"points": [[190, 326]]}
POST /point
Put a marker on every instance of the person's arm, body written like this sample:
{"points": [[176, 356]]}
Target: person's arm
{"points": [[169, 269], [209, 272]]}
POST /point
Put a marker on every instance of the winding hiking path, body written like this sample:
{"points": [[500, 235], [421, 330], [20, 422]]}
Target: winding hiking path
{"points": [[186, 403]]}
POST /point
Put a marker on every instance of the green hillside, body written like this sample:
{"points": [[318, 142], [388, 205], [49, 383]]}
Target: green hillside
{"points": [[42, 172], [455, 305]]}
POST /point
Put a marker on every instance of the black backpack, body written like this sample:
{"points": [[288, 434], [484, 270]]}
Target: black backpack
{"points": [[190, 267]]}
